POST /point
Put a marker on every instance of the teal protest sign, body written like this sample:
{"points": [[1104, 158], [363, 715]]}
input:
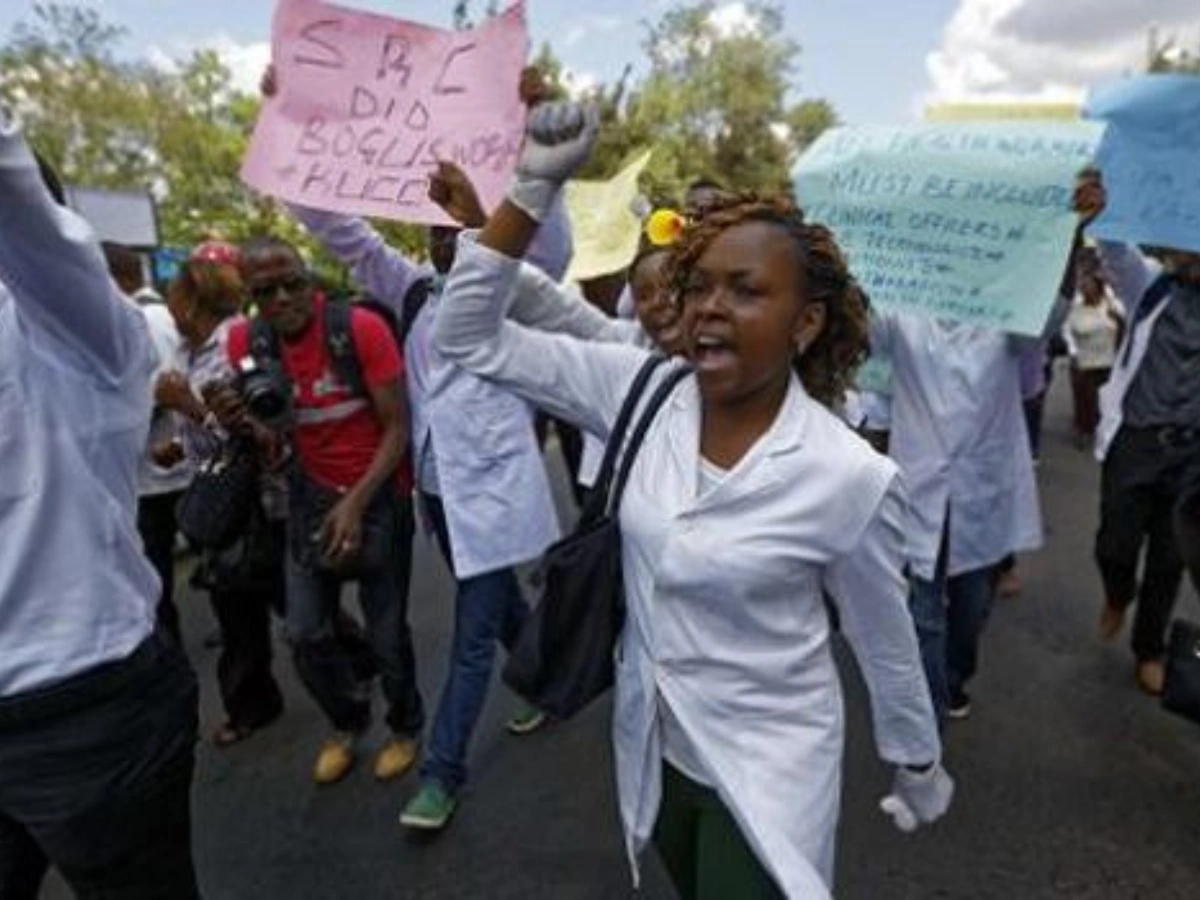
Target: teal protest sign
{"points": [[1150, 160], [964, 221]]}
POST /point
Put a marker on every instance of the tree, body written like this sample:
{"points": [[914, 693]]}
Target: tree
{"points": [[715, 103]]}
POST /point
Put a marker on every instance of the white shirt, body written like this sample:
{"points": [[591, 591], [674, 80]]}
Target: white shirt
{"points": [[726, 624], [76, 360], [958, 434], [1091, 333], [165, 425]]}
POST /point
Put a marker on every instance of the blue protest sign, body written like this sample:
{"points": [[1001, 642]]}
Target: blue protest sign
{"points": [[1150, 160], [965, 221]]}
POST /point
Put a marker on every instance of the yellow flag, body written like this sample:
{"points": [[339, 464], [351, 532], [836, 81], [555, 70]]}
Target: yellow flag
{"points": [[604, 225], [984, 111]]}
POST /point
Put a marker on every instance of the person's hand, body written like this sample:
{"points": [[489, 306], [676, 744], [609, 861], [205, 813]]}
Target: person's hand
{"points": [[167, 454], [918, 798], [451, 189], [1090, 197], [268, 85], [172, 391], [226, 404], [558, 140], [341, 532], [533, 89]]}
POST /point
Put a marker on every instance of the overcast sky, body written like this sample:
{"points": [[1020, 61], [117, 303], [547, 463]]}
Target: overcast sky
{"points": [[875, 60]]}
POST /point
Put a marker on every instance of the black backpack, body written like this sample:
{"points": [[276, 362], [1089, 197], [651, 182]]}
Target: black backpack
{"points": [[339, 336]]}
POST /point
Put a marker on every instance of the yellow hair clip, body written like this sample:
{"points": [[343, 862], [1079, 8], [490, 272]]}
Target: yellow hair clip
{"points": [[664, 227]]}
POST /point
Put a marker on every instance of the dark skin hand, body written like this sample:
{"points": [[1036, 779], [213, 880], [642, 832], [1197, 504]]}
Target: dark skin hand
{"points": [[341, 532], [167, 455], [172, 391]]}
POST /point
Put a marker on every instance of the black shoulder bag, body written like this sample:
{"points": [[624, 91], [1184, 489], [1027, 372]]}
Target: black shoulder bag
{"points": [[216, 507], [563, 658]]}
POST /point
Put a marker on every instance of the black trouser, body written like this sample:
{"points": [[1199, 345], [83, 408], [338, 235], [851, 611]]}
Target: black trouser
{"points": [[156, 524], [242, 598], [1141, 483], [95, 779]]}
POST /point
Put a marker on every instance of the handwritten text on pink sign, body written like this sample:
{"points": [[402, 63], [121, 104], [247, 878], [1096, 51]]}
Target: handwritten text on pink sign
{"points": [[366, 105]]}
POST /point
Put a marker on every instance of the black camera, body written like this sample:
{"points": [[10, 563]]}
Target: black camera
{"points": [[266, 391]]}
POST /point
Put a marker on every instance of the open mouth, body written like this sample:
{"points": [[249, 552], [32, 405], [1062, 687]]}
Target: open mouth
{"points": [[711, 353]]}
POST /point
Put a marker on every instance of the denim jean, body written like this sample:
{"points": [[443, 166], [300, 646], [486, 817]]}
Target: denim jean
{"points": [[322, 661], [95, 779], [488, 609], [949, 614]]}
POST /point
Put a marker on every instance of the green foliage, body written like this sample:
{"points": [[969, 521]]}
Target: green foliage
{"points": [[714, 104]]}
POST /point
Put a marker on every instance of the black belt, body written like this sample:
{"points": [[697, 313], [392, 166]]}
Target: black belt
{"points": [[1171, 435]]}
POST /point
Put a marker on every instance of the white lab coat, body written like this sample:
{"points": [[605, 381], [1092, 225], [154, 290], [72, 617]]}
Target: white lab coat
{"points": [[1130, 274], [958, 433], [726, 623]]}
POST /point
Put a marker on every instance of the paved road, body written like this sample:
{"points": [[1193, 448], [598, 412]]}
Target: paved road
{"points": [[1072, 785]]}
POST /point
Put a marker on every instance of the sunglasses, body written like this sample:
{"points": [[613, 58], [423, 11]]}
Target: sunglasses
{"points": [[264, 294]]}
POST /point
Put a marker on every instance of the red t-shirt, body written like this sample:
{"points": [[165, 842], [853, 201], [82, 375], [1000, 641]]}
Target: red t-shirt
{"points": [[338, 450]]}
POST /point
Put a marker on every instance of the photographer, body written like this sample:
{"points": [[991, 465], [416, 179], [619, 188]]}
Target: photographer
{"points": [[350, 506], [243, 578]]}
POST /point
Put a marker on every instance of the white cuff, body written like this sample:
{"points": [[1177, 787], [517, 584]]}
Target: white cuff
{"points": [[534, 197]]}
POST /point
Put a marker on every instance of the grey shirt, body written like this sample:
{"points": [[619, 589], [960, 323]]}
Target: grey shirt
{"points": [[1166, 389]]}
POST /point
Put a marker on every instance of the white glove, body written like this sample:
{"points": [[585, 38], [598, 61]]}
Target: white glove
{"points": [[918, 798], [558, 140]]}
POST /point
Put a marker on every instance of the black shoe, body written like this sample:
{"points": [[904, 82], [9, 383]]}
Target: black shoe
{"points": [[959, 707]]}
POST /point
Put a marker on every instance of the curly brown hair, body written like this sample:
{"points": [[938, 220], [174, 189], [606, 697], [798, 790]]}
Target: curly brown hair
{"points": [[208, 286], [828, 366]]}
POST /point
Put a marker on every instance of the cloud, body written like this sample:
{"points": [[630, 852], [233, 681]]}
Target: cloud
{"points": [[245, 61], [591, 26], [579, 84], [1048, 49], [733, 20]]}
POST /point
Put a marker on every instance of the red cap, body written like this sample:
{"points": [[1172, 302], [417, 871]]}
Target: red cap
{"points": [[218, 252]]}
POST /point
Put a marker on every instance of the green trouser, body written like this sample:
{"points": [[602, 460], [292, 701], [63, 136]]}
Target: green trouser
{"points": [[702, 847]]}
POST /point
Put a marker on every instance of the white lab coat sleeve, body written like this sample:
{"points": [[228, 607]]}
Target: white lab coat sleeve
{"points": [[58, 279], [382, 271], [1129, 273], [582, 382], [871, 593], [543, 304], [879, 334]]}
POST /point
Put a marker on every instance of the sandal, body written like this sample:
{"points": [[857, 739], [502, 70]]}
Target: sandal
{"points": [[229, 734]]}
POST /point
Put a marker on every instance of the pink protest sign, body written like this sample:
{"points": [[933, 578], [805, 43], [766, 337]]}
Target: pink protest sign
{"points": [[367, 104]]}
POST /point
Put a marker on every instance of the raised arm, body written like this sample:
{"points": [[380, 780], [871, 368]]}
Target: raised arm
{"points": [[379, 269], [57, 275], [580, 381], [545, 305]]}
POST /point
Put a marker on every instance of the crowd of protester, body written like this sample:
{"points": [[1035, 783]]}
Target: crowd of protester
{"points": [[755, 522]]}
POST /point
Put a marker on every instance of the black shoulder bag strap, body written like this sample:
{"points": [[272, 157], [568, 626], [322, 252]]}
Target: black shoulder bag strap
{"points": [[339, 343], [414, 300], [657, 399], [598, 498]]}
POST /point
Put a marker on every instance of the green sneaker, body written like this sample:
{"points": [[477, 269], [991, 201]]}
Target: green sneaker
{"points": [[430, 809], [527, 720]]}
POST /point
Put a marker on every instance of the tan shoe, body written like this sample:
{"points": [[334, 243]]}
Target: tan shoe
{"points": [[396, 757], [1151, 676], [1112, 620], [335, 759]]}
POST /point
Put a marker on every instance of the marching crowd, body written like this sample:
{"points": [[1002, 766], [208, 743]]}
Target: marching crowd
{"points": [[297, 438]]}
